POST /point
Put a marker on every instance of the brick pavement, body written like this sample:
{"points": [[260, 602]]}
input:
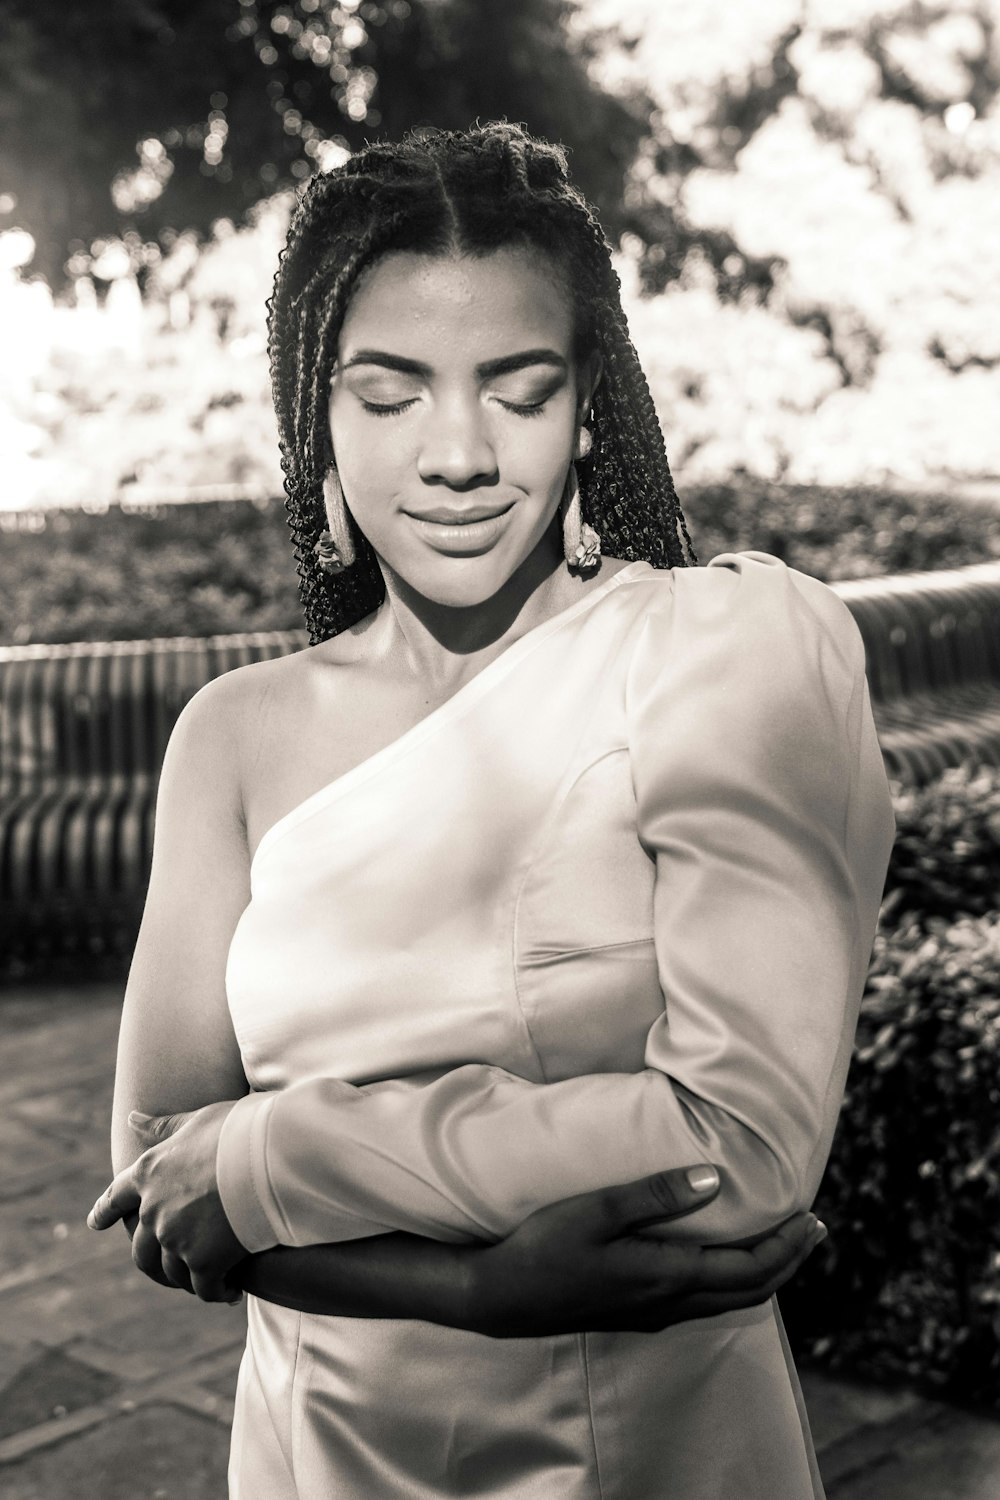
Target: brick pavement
{"points": [[112, 1388]]}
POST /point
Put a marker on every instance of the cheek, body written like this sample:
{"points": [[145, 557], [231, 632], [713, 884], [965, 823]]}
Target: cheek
{"points": [[371, 464], [540, 469]]}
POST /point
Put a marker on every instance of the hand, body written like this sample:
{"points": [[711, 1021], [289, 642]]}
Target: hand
{"points": [[182, 1237], [583, 1264]]}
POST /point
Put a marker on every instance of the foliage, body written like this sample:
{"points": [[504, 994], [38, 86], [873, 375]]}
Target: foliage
{"points": [[853, 149], [183, 570], [946, 857], [807, 191], [909, 1285], [838, 532], [216, 105], [228, 566]]}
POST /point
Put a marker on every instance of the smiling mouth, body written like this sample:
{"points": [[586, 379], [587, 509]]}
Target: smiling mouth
{"points": [[446, 516]]}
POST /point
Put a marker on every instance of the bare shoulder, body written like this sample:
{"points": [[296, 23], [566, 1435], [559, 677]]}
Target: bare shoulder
{"points": [[229, 714], [261, 734]]}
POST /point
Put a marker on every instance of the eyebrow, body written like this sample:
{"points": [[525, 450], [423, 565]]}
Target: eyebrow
{"points": [[502, 366]]}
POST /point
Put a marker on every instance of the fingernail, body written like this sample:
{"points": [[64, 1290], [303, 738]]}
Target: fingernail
{"points": [[137, 1117], [90, 1219], [820, 1232], [702, 1179]]}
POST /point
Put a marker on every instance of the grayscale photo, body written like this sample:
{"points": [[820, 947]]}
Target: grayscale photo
{"points": [[500, 750]]}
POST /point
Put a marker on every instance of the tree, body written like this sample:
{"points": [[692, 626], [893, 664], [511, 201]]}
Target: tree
{"points": [[171, 114], [834, 170]]}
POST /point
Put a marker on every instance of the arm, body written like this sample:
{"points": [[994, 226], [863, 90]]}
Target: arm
{"points": [[581, 1264], [176, 1046], [177, 1051], [760, 792]]}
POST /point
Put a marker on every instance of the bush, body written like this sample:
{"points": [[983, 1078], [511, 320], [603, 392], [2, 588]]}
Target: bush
{"points": [[835, 534], [909, 1283], [946, 857], [198, 570], [228, 566]]}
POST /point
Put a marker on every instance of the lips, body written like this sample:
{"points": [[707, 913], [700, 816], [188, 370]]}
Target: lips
{"points": [[446, 515]]}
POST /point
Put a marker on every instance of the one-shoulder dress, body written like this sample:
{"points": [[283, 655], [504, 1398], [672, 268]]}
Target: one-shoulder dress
{"points": [[607, 910]]}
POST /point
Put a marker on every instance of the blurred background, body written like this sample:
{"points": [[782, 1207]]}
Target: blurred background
{"points": [[804, 202]]}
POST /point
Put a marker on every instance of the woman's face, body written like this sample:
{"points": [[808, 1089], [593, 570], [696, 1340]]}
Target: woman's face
{"points": [[454, 410]]}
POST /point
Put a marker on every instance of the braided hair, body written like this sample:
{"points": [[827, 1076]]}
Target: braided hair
{"points": [[471, 192]]}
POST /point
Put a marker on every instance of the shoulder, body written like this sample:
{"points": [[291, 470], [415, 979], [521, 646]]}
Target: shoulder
{"points": [[743, 603], [233, 701], [217, 734]]}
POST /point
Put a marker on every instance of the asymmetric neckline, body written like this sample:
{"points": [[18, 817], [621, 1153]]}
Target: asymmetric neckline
{"points": [[444, 713]]}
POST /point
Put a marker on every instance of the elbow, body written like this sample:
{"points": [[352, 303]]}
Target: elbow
{"points": [[778, 1188], [764, 1180]]}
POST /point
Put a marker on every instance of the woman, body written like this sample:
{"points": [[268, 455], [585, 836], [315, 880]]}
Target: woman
{"points": [[540, 871]]}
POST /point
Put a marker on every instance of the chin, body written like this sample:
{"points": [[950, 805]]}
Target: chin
{"points": [[459, 582]]}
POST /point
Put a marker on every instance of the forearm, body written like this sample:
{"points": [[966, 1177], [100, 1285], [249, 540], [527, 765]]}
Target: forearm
{"points": [[387, 1276], [469, 1157]]}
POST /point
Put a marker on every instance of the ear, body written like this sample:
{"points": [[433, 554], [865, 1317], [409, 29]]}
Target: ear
{"points": [[589, 375]]}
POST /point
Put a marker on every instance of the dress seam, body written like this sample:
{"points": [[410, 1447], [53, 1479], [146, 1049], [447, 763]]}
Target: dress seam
{"points": [[639, 942], [590, 1415], [557, 804], [295, 1414]]}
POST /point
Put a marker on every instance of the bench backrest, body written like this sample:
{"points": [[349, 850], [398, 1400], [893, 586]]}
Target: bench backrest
{"points": [[98, 709], [103, 709], [928, 632]]}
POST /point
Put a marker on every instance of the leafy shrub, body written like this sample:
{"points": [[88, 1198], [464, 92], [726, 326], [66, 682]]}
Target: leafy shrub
{"points": [[195, 570], [835, 534], [946, 857], [909, 1283], [228, 566]]}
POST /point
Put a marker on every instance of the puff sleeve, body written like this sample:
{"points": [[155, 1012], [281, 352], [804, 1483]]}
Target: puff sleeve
{"points": [[760, 793]]}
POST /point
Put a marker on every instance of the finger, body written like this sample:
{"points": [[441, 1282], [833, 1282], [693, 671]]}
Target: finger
{"points": [[147, 1257], [711, 1304], [155, 1127], [725, 1269], [212, 1288], [665, 1195], [767, 1276], [121, 1198], [176, 1271]]}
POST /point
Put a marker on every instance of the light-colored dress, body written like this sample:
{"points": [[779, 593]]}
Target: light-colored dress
{"points": [[607, 910]]}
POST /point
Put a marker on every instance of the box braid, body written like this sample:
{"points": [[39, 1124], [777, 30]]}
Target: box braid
{"points": [[439, 192]]}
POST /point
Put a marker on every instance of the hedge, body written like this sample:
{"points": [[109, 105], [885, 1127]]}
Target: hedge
{"points": [[908, 1286], [228, 566]]}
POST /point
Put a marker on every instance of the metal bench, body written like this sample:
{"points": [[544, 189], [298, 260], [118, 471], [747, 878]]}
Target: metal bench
{"points": [[83, 729], [932, 647]]}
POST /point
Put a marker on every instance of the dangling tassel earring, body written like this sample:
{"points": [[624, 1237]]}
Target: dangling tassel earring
{"points": [[335, 548], [581, 543]]}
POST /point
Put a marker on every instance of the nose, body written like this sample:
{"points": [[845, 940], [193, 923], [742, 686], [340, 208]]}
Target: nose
{"points": [[456, 447]]}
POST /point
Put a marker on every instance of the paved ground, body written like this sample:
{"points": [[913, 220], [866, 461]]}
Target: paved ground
{"points": [[112, 1388]]}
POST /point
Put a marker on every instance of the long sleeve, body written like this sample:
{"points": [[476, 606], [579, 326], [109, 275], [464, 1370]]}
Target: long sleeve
{"points": [[761, 795]]}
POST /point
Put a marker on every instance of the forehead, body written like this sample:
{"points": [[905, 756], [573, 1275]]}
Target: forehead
{"points": [[427, 305]]}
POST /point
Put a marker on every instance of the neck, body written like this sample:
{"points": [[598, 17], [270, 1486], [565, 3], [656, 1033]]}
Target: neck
{"points": [[441, 643]]}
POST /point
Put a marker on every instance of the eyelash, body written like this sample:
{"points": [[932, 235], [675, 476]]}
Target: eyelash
{"points": [[532, 409]]}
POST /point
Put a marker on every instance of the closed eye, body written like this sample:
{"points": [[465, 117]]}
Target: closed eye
{"points": [[378, 409], [383, 409], [524, 408]]}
